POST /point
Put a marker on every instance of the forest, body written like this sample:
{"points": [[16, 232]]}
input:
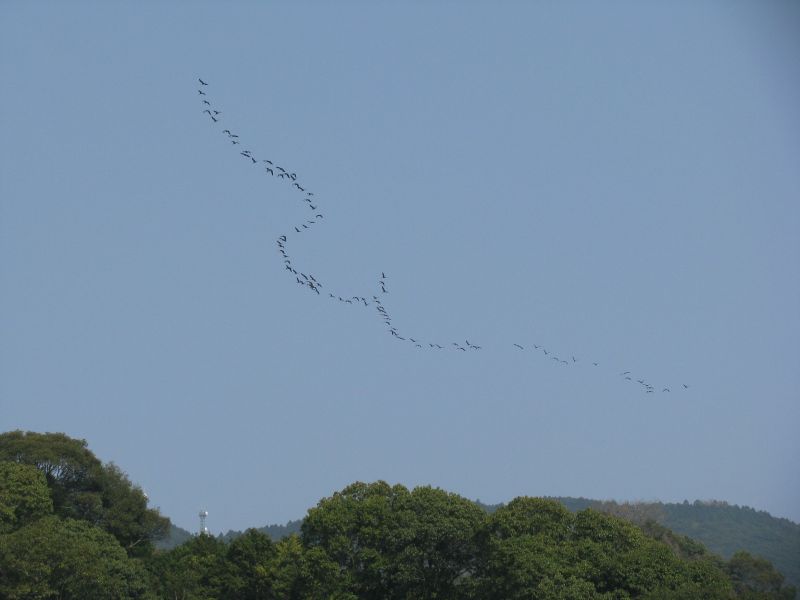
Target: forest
{"points": [[72, 526]]}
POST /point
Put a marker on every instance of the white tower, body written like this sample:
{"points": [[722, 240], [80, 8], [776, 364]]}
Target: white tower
{"points": [[203, 529]]}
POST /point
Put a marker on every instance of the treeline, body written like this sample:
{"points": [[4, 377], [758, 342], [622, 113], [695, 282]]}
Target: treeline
{"points": [[723, 528], [71, 527]]}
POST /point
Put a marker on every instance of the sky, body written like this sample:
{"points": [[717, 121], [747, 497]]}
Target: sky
{"points": [[614, 182]]}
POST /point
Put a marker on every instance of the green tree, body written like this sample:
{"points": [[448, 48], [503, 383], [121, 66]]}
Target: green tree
{"points": [[535, 548], [301, 573], [756, 578], [65, 560], [83, 488], [250, 567], [24, 496], [391, 543], [195, 570]]}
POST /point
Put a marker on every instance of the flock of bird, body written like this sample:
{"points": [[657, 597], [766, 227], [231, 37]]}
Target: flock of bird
{"points": [[314, 285]]}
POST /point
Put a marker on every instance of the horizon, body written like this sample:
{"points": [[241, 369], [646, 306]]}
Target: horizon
{"points": [[707, 502]]}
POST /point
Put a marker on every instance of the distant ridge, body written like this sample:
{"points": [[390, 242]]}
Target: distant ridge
{"points": [[723, 528]]}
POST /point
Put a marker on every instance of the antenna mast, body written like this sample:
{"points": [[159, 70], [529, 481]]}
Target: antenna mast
{"points": [[203, 529]]}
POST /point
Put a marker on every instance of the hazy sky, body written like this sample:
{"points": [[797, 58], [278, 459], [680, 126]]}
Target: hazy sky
{"points": [[616, 181]]}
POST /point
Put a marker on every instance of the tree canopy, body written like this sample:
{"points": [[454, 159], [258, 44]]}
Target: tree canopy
{"points": [[73, 527], [82, 487]]}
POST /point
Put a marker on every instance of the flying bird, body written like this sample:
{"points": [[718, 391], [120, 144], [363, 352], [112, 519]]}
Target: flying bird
{"points": [[520, 347], [201, 81]]}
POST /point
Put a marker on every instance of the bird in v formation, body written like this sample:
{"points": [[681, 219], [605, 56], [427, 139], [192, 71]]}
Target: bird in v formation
{"points": [[311, 282]]}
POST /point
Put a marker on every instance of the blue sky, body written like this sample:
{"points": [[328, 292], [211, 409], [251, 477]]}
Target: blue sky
{"points": [[617, 182]]}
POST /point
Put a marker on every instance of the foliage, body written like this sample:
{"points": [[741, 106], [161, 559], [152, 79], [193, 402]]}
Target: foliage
{"points": [[727, 529], [721, 527], [392, 543], [67, 559], [195, 570], [536, 548], [24, 496], [73, 527], [381, 541], [83, 488], [756, 578]]}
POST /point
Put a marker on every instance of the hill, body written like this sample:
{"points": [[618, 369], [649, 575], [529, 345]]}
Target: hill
{"points": [[723, 528]]}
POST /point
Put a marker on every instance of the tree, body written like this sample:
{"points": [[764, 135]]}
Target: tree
{"points": [[69, 467], [535, 548], [67, 559], [194, 570], [24, 496], [756, 578], [392, 543], [83, 488], [250, 567]]}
